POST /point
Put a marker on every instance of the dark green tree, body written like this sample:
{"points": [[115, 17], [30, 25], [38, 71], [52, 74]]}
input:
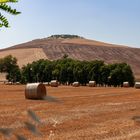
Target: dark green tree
{"points": [[121, 72], [105, 73], [94, 71], [9, 65], [67, 70]]}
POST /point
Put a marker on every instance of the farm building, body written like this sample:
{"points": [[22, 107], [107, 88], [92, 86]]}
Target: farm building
{"points": [[3, 78]]}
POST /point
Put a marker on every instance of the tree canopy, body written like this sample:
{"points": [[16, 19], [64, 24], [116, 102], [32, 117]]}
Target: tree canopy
{"points": [[67, 71], [9, 65], [65, 36]]}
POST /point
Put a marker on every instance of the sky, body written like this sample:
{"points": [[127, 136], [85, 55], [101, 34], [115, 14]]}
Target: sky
{"points": [[112, 21]]}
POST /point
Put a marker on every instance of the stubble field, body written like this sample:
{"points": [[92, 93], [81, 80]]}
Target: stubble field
{"points": [[83, 113]]}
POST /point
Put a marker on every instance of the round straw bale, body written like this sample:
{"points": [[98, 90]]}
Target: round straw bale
{"points": [[8, 83], [54, 83], [137, 84], [92, 83], [46, 84], [76, 84], [35, 91], [125, 84], [17, 83]]}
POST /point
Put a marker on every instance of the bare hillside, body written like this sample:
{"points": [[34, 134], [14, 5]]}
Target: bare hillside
{"points": [[25, 56], [53, 48]]}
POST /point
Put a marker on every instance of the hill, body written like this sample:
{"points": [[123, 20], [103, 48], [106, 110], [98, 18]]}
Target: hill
{"points": [[56, 46]]}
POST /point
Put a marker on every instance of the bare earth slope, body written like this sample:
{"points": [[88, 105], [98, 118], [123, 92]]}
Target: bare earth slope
{"points": [[76, 48], [25, 55]]}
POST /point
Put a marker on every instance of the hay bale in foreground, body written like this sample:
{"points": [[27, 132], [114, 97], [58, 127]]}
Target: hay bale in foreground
{"points": [[35, 91], [137, 84], [126, 84], [76, 84], [92, 83], [54, 83]]}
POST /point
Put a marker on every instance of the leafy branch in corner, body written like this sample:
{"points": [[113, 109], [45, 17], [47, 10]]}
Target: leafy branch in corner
{"points": [[5, 7]]}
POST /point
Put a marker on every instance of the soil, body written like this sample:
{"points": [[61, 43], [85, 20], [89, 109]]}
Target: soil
{"points": [[81, 113]]}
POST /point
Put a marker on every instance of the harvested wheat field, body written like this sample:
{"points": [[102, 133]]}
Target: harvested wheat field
{"points": [[82, 113]]}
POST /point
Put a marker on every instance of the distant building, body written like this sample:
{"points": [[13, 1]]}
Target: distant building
{"points": [[3, 78]]}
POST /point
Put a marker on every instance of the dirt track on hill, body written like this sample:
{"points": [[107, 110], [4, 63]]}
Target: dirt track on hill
{"points": [[83, 113]]}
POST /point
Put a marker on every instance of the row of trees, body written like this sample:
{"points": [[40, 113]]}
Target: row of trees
{"points": [[67, 70], [65, 36]]}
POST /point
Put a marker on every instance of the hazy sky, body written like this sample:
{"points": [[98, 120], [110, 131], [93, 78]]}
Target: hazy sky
{"points": [[113, 21]]}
